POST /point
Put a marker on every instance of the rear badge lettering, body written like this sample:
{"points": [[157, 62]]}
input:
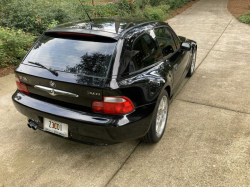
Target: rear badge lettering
{"points": [[93, 93]]}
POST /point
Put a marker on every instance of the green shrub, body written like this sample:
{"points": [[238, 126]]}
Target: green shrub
{"points": [[14, 45], [106, 10], [141, 3], [52, 24], [245, 18], [36, 16], [154, 13], [155, 2], [138, 13], [174, 4], [164, 8]]}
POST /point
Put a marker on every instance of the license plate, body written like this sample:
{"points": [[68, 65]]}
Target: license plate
{"points": [[55, 127]]}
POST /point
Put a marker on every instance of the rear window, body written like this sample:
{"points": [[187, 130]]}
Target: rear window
{"points": [[86, 55]]}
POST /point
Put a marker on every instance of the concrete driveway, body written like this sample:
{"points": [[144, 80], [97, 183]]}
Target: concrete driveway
{"points": [[206, 142]]}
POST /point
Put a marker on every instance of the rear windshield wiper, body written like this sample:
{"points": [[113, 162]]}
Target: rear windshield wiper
{"points": [[49, 69]]}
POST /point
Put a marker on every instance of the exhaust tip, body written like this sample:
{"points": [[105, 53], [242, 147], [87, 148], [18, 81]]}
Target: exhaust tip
{"points": [[32, 125]]}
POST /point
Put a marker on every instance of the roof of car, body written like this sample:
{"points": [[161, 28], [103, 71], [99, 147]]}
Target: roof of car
{"points": [[109, 27]]}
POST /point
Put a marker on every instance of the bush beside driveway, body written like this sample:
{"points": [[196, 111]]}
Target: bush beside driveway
{"points": [[240, 9]]}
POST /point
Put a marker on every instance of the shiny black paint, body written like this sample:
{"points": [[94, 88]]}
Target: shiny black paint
{"points": [[65, 81], [114, 25], [106, 128], [142, 87]]}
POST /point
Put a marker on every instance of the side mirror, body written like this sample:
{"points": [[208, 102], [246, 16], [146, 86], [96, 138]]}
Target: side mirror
{"points": [[185, 46]]}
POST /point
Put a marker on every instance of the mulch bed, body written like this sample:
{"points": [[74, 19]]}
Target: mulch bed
{"points": [[6, 70], [238, 7]]}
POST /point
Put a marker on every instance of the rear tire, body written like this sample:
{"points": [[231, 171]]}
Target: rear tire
{"points": [[160, 117], [192, 66]]}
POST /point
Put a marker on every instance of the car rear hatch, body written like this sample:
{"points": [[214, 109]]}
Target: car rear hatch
{"points": [[68, 69]]}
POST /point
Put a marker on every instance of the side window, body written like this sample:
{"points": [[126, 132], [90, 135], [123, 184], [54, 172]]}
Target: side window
{"points": [[139, 52], [165, 40], [145, 53], [176, 39]]}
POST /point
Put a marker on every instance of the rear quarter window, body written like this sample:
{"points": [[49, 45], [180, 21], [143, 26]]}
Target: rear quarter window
{"points": [[142, 52], [78, 55]]}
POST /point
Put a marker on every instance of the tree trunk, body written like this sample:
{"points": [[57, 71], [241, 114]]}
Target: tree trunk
{"points": [[93, 3]]}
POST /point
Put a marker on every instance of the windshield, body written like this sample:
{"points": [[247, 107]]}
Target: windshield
{"points": [[84, 57]]}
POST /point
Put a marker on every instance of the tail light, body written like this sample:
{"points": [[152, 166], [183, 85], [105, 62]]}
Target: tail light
{"points": [[113, 105], [21, 87]]}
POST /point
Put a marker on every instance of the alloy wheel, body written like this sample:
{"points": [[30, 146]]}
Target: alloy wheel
{"points": [[193, 62], [161, 116]]}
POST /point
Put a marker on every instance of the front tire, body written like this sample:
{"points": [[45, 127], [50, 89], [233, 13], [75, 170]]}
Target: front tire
{"points": [[192, 67], [160, 117]]}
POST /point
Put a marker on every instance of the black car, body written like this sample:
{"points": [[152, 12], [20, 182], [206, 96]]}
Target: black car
{"points": [[103, 82]]}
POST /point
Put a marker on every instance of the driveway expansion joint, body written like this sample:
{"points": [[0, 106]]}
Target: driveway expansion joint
{"points": [[221, 108], [171, 102], [231, 52], [204, 57], [123, 164], [216, 42]]}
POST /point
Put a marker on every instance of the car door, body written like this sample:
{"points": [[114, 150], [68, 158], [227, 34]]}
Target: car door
{"points": [[142, 71], [171, 53], [184, 56]]}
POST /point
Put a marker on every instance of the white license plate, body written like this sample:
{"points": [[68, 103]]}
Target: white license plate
{"points": [[55, 127]]}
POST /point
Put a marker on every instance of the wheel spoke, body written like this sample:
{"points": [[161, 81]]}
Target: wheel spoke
{"points": [[161, 105]]}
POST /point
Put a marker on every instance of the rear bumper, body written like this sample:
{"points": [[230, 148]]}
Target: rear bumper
{"points": [[88, 127]]}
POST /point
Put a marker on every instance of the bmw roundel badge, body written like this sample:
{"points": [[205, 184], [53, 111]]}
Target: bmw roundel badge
{"points": [[52, 84]]}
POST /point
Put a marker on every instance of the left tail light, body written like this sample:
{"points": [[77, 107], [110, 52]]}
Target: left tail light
{"points": [[21, 87], [113, 105]]}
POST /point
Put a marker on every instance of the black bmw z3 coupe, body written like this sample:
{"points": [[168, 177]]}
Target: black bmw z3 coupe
{"points": [[103, 82]]}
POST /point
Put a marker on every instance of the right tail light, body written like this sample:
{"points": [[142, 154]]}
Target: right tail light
{"points": [[113, 105]]}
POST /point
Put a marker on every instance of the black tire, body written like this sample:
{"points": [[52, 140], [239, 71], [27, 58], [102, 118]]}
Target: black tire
{"points": [[152, 136], [191, 69]]}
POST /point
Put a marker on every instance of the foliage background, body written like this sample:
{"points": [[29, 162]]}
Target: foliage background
{"points": [[22, 21]]}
